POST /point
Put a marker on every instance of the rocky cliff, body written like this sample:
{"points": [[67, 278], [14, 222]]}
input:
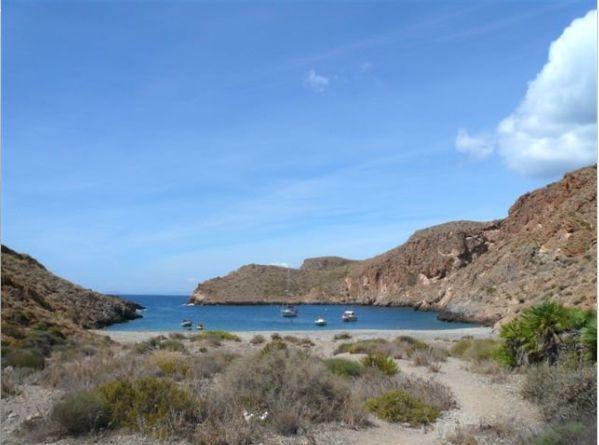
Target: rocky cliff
{"points": [[476, 271], [31, 294]]}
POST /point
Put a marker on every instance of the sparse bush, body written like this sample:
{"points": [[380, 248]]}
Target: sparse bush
{"points": [[588, 339], [257, 339], [305, 341], [475, 350], [9, 384], [176, 336], [385, 364], [577, 432], [343, 367], [80, 413], [276, 336], [24, 358], [215, 337], [273, 345], [434, 367], [361, 346], [209, 364], [149, 404], [562, 393], [342, 336], [170, 363], [293, 387], [172, 345], [399, 406]]}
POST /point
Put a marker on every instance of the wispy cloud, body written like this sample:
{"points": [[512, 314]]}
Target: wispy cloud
{"points": [[316, 82], [476, 147]]}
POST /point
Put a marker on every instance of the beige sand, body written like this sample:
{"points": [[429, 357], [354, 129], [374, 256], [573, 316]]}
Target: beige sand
{"points": [[320, 335]]}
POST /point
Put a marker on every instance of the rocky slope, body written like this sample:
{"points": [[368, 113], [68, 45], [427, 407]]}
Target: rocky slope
{"points": [[476, 271], [31, 295]]}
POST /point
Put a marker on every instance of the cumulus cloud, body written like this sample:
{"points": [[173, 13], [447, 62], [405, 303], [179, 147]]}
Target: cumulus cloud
{"points": [[316, 82], [554, 129]]}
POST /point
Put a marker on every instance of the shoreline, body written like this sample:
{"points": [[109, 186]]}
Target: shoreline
{"points": [[321, 335]]}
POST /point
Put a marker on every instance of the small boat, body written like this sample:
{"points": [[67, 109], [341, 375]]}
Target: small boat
{"points": [[186, 324], [349, 316], [320, 321], [289, 311], [200, 326]]}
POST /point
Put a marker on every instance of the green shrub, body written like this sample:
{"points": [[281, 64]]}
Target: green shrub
{"points": [[80, 413], [361, 346], [148, 404], [343, 367], [534, 336], [385, 364], [588, 339], [399, 406], [24, 358], [176, 336]]}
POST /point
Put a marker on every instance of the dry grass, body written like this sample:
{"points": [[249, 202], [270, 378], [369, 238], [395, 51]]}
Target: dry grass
{"points": [[294, 388], [561, 392]]}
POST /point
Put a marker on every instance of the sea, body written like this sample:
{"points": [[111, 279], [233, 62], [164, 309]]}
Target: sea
{"points": [[165, 313]]}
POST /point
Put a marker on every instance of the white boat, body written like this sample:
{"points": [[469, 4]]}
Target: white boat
{"points": [[186, 324], [320, 321], [289, 311], [349, 316]]}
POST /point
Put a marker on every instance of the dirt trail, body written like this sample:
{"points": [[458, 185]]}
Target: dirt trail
{"points": [[480, 401]]}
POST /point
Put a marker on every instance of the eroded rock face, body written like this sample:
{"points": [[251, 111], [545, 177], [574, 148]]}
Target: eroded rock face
{"points": [[31, 294], [476, 271]]}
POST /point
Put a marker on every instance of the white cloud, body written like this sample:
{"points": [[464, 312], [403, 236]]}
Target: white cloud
{"points": [[554, 129], [316, 82], [476, 147]]}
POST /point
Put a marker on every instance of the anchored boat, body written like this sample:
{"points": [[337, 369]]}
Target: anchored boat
{"points": [[349, 316], [320, 321], [289, 311], [186, 323]]}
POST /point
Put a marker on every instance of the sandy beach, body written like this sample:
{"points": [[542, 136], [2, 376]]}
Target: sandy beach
{"points": [[320, 335]]}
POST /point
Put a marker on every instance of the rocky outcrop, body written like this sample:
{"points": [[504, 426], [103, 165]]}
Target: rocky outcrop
{"points": [[475, 271], [31, 294]]}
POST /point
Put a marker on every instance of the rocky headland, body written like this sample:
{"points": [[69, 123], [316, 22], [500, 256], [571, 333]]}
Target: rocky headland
{"points": [[485, 272], [32, 295]]}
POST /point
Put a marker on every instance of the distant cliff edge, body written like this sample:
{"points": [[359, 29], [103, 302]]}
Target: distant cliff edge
{"points": [[473, 271]]}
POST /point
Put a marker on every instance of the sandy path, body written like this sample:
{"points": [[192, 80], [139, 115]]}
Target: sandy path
{"points": [[480, 401]]}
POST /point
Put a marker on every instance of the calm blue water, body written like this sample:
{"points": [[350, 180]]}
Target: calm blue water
{"points": [[165, 312]]}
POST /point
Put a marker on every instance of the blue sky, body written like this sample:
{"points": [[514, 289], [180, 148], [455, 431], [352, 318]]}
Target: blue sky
{"points": [[150, 145]]}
